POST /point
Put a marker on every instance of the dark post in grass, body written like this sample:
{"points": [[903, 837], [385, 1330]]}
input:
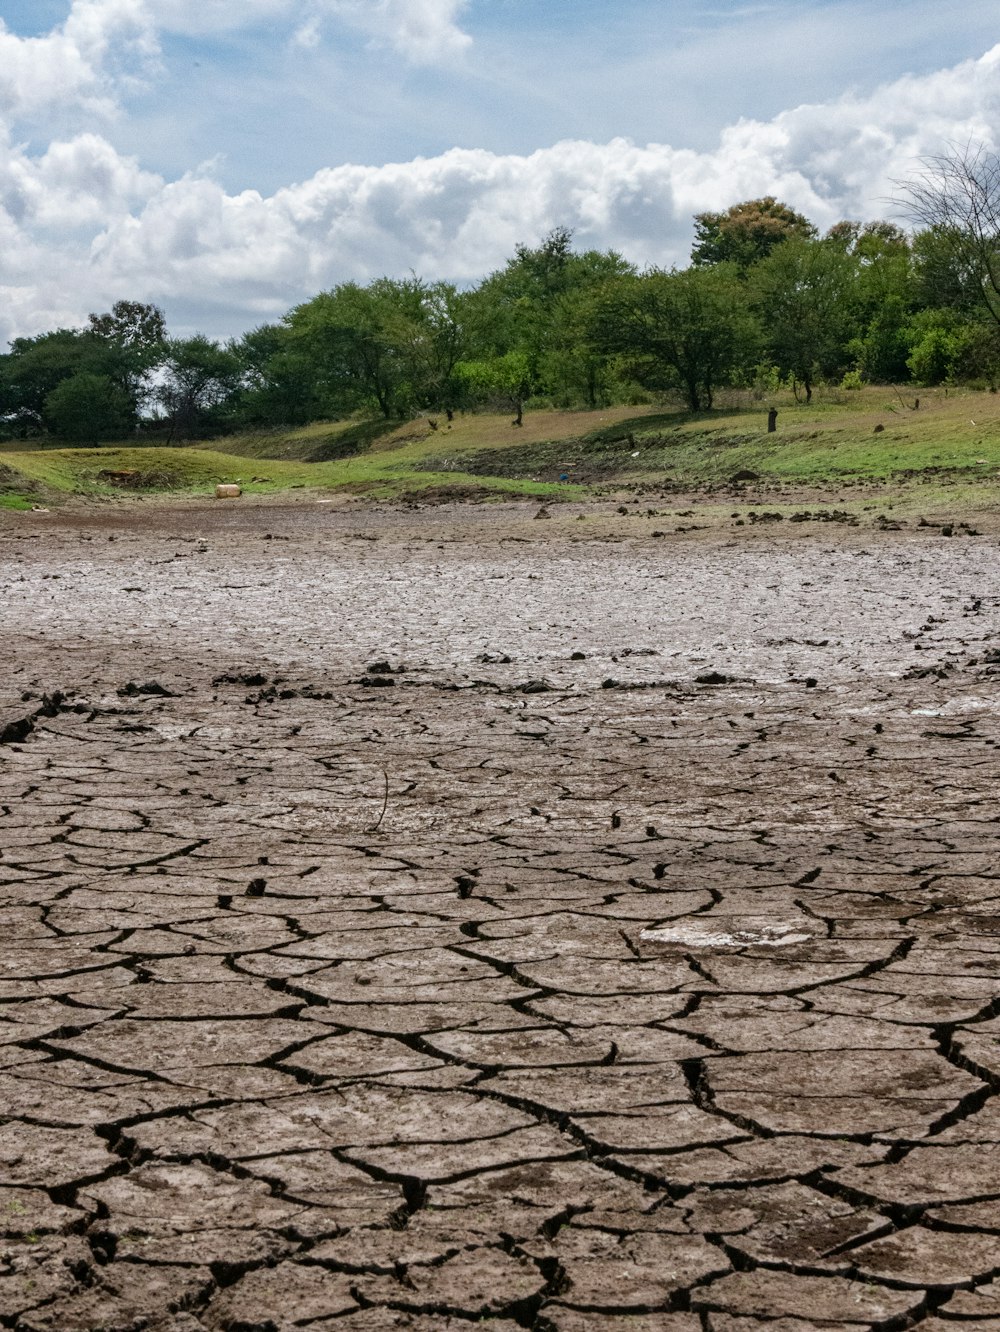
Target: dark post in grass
{"points": [[772, 420]]}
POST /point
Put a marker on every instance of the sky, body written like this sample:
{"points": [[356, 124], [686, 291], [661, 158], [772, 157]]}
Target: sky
{"points": [[228, 159]]}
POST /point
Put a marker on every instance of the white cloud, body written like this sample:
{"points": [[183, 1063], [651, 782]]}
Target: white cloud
{"points": [[104, 44], [194, 17], [309, 34], [81, 225], [80, 62], [80, 183], [421, 30]]}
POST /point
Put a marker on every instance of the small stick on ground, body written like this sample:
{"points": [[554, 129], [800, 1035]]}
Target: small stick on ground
{"points": [[385, 803]]}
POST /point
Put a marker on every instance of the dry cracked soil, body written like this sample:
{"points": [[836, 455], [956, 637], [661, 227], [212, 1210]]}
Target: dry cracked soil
{"points": [[431, 917]]}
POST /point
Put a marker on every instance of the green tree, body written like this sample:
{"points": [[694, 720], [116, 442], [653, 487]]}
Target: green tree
{"points": [[130, 342], [805, 295], [277, 383], [87, 408], [945, 273], [365, 345], [948, 345], [131, 324], [540, 306], [512, 307], [437, 341], [685, 331], [956, 197], [502, 382], [746, 233], [198, 379], [880, 349], [883, 300], [572, 367], [33, 368], [121, 347]]}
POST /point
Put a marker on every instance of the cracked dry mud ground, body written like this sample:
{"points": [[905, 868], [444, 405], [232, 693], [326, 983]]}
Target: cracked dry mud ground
{"points": [[561, 992]]}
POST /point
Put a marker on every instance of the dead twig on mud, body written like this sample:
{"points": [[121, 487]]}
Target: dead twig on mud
{"points": [[385, 804]]}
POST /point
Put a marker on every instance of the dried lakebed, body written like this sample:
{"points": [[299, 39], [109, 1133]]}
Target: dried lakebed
{"points": [[397, 934]]}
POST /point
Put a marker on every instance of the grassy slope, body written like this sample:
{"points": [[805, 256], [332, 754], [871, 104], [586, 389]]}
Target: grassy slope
{"points": [[954, 439]]}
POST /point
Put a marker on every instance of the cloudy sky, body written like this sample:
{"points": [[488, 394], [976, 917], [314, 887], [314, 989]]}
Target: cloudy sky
{"points": [[227, 159]]}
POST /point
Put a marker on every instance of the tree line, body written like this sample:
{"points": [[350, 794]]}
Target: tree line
{"points": [[765, 302]]}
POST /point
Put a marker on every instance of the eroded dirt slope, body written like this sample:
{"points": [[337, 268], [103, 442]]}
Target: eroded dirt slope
{"points": [[397, 933]]}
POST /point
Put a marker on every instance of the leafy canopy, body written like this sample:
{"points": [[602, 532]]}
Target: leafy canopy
{"points": [[746, 233]]}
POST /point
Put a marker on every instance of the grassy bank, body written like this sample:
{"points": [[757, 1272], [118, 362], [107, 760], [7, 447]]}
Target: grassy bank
{"points": [[875, 438]]}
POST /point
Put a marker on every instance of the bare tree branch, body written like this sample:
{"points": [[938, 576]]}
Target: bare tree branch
{"points": [[957, 195]]}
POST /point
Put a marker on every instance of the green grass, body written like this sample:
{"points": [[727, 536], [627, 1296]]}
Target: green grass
{"points": [[16, 491], [323, 441], [78, 471], [952, 439], [952, 442], [825, 442]]}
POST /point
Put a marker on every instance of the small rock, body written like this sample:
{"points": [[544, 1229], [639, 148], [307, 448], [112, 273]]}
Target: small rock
{"points": [[131, 690]]}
